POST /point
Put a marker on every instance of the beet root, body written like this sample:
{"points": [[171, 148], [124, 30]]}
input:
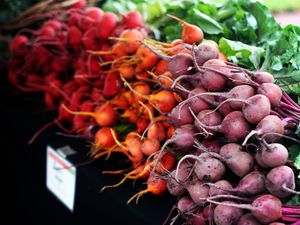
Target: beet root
{"points": [[248, 219], [274, 155], [227, 215], [281, 181], [209, 169]]}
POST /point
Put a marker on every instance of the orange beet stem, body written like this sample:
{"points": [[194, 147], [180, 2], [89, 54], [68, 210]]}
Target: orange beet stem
{"points": [[176, 18], [117, 141], [92, 114], [148, 111], [118, 38], [134, 91], [126, 176], [100, 52], [113, 171], [138, 195], [158, 42]]}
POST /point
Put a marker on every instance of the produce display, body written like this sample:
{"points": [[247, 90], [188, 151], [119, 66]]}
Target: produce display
{"points": [[202, 102]]}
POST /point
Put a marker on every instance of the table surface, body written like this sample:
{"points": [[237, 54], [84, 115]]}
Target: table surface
{"points": [[27, 197]]}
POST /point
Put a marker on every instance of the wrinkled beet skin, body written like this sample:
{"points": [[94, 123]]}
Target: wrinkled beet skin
{"points": [[270, 124], [240, 163], [258, 107], [240, 92], [272, 92], [229, 149], [181, 117], [262, 77], [179, 64], [211, 80], [267, 209], [197, 104], [279, 176], [275, 155], [205, 52], [227, 215], [198, 191], [252, 184], [186, 206], [223, 184], [248, 219], [174, 187], [235, 127], [209, 169]]}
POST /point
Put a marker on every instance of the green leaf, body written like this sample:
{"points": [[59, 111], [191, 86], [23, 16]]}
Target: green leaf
{"points": [[123, 128], [152, 10], [206, 23], [297, 132], [294, 88], [293, 152], [295, 200], [276, 63], [294, 155], [265, 21], [225, 13], [207, 9], [297, 161], [295, 62], [244, 54], [172, 32]]}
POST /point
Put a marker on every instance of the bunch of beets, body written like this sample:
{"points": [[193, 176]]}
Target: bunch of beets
{"points": [[232, 170], [93, 69]]}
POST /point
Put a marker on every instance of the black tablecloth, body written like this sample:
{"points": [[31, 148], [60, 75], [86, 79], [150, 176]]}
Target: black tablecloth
{"points": [[24, 182]]}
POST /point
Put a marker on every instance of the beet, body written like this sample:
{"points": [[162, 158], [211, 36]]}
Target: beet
{"points": [[227, 215], [281, 181]]}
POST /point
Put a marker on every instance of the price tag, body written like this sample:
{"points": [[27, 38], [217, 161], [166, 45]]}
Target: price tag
{"points": [[61, 178]]}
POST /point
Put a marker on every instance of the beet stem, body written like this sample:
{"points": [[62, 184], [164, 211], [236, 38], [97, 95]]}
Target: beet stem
{"points": [[281, 135], [273, 112], [284, 187], [240, 206], [207, 133], [181, 104], [170, 214], [292, 107], [179, 90], [180, 161], [253, 132], [284, 114], [194, 58], [180, 78], [289, 99], [287, 120], [42, 129], [160, 155], [154, 122], [160, 55], [297, 115], [228, 196], [288, 84], [228, 76]]}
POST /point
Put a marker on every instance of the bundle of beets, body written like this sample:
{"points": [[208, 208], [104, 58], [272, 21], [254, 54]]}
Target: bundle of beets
{"points": [[157, 102], [93, 69], [231, 170]]}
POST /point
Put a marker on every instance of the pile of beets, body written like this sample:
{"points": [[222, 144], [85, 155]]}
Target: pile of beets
{"points": [[232, 169]]}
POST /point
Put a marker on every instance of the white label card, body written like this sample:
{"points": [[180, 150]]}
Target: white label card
{"points": [[61, 178]]}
